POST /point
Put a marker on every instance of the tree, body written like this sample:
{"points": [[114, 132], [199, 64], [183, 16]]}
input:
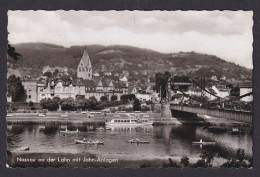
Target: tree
{"points": [[103, 98], [136, 105], [161, 83], [113, 98], [235, 91], [131, 97], [67, 104], [185, 161], [49, 104], [48, 74], [12, 53], [205, 161], [56, 72], [124, 98], [15, 88]]}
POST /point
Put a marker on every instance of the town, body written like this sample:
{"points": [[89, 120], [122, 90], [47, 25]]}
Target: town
{"points": [[56, 89]]}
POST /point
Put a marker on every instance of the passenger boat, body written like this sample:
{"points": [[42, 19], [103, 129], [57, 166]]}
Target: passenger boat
{"points": [[84, 141], [130, 121], [69, 132], [203, 143], [136, 140]]}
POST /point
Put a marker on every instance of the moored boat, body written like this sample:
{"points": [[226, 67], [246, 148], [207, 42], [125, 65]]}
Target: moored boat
{"points": [[9, 115], [84, 141], [68, 131], [103, 129], [136, 140], [203, 143]]}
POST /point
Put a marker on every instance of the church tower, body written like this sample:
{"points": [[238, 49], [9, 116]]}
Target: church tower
{"points": [[84, 70]]}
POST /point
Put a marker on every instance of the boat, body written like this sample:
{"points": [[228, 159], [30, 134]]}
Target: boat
{"points": [[64, 115], [203, 143], [9, 115], [235, 131], [136, 140], [103, 129], [108, 128], [68, 131], [130, 121], [42, 115], [23, 148], [84, 141]]}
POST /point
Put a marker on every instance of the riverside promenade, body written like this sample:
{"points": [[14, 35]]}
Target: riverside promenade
{"points": [[78, 118]]}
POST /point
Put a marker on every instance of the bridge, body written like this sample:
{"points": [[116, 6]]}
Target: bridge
{"points": [[241, 116]]}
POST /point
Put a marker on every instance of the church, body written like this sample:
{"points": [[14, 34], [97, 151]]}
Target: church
{"points": [[83, 86]]}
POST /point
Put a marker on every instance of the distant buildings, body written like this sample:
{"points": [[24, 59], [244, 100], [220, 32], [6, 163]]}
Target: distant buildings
{"points": [[47, 68], [84, 86]]}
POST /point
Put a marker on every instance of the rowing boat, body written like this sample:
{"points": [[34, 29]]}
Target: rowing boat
{"points": [[138, 141], [89, 142]]}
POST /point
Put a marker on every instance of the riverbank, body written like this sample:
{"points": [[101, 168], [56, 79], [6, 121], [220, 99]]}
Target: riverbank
{"points": [[88, 160], [78, 118]]}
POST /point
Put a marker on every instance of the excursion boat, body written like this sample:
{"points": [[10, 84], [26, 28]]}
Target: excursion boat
{"points": [[84, 141], [136, 140], [68, 131], [130, 121]]}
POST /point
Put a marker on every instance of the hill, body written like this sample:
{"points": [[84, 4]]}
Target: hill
{"points": [[118, 57]]}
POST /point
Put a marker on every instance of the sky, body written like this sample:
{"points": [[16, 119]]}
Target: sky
{"points": [[226, 34]]}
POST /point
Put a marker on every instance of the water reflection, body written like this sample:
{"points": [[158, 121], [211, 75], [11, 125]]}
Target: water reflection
{"points": [[164, 141]]}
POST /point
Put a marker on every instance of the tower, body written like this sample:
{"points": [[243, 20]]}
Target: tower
{"points": [[84, 70]]}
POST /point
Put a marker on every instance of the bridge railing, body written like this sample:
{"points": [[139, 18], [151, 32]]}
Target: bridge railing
{"points": [[242, 116]]}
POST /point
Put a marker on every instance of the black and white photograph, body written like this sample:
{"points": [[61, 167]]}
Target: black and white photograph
{"points": [[129, 89]]}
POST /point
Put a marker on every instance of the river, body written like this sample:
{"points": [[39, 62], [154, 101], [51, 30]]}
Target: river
{"points": [[164, 141]]}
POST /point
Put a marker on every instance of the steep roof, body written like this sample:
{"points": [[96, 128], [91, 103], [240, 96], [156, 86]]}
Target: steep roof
{"points": [[85, 58]]}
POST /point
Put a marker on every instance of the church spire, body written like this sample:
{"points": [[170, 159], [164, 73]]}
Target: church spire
{"points": [[84, 68]]}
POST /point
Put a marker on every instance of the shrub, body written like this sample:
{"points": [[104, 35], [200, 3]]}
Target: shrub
{"points": [[113, 98], [104, 98], [136, 105], [185, 161]]}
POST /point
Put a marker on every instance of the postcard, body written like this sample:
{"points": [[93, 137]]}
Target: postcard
{"points": [[129, 89]]}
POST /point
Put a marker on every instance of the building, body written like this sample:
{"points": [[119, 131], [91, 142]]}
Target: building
{"points": [[84, 70], [47, 68], [84, 86], [31, 92], [143, 95]]}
